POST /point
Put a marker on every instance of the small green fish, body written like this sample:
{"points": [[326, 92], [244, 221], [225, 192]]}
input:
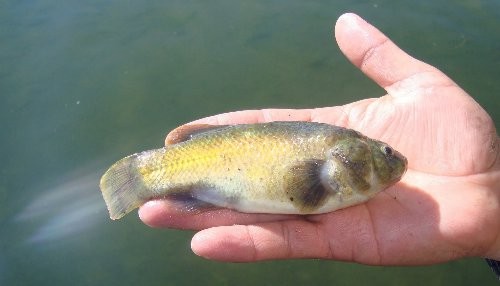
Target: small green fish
{"points": [[276, 167]]}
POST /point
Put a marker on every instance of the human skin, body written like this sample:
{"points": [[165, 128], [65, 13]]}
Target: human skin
{"points": [[447, 206]]}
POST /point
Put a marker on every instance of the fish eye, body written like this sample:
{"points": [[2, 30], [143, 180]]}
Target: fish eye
{"points": [[387, 150]]}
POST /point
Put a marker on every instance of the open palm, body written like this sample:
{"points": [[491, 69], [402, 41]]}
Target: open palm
{"points": [[447, 205]]}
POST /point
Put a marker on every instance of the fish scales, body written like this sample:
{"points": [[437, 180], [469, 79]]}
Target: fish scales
{"points": [[278, 167], [236, 161]]}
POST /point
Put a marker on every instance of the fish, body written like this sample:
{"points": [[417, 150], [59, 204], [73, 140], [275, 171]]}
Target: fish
{"points": [[276, 168]]}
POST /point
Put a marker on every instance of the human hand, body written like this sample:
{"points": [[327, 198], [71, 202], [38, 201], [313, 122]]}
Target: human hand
{"points": [[447, 206]]}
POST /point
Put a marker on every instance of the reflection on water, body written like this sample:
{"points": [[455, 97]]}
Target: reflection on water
{"points": [[65, 209]]}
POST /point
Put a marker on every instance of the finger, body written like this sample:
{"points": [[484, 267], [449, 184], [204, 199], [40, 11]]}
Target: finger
{"points": [[164, 213], [342, 235], [257, 116], [379, 58], [274, 240]]}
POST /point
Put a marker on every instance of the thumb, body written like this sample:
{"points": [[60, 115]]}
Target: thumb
{"points": [[378, 57]]}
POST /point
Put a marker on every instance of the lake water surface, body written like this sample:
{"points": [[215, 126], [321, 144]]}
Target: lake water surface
{"points": [[84, 83]]}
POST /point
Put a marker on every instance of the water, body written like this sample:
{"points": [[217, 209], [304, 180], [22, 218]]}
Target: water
{"points": [[83, 83]]}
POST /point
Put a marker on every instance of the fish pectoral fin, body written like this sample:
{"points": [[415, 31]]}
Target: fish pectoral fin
{"points": [[186, 132], [303, 186]]}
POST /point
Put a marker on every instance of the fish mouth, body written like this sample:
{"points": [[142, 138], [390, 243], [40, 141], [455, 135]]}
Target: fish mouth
{"points": [[404, 161], [400, 166]]}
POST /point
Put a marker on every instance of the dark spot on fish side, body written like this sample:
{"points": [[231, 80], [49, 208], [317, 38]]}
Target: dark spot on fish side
{"points": [[291, 199]]}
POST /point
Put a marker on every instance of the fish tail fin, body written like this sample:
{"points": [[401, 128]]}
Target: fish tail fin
{"points": [[123, 188]]}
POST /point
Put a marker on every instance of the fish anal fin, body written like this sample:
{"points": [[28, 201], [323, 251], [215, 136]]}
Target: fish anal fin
{"points": [[186, 132], [199, 197], [303, 186], [186, 202]]}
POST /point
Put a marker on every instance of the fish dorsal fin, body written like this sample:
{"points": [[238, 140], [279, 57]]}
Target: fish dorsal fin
{"points": [[186, 132], [303, 186]]}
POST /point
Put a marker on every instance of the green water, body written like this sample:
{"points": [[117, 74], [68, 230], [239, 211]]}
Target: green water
{"points": [[84, 83]]}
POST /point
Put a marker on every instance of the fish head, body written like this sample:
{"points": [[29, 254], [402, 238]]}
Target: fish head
{"points": [[367, 166], [389, 165]]}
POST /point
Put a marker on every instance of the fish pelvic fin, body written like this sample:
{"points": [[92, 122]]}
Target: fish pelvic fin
{"points": [[123, 188]]}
